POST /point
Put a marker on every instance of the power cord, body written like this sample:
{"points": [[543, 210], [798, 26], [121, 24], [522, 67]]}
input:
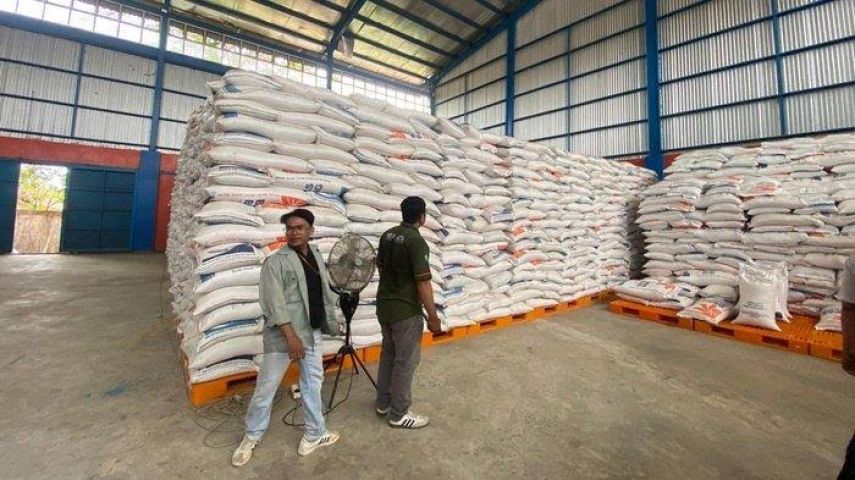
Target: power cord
{"points": [[290, 416]]}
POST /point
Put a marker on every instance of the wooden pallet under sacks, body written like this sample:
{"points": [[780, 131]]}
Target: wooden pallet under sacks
{"points": [[207, 392], [797, 336]]}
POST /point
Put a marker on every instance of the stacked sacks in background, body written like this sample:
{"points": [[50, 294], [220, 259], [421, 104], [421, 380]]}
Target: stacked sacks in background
{"points": [[475, 257], [262, 146], [396, 159], [784, 202], [462, 287], [244, 164]]}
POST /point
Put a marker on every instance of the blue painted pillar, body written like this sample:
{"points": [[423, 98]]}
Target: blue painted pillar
{"points": [[145, 201], [779, 67], [432, 94], [510, 68], [154, 130], [654, 121]]}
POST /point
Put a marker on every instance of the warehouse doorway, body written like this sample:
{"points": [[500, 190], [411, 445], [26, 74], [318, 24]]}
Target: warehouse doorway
{"points": [[39, 208]]}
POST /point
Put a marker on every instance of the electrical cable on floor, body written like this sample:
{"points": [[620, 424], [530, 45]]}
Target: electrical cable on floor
{"points": [[292, 412]]}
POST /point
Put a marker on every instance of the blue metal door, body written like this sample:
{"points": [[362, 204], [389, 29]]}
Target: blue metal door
{"points": [[9, 173], [97, 214]]}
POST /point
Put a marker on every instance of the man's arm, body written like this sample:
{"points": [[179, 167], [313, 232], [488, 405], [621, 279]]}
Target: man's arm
{"points": [[847, 317], [272, 299], [419, 253]]}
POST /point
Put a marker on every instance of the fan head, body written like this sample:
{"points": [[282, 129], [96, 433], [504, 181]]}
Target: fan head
{"points": [[351, 263]]}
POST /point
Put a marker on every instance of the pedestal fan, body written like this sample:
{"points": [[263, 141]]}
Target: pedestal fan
{"points": [[351, 267]]}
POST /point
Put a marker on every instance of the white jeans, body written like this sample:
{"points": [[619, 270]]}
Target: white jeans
{"points": [[273, 368]]}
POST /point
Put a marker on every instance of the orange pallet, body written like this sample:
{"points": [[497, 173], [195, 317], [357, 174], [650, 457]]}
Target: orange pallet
{"points": [[791, 337], [822, 344], [662, 316], [204, 393], [429, 339], [493, 324]]}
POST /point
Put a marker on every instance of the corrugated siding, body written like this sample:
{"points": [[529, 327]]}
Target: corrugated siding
{"points": [[829, 21], [540, 75], [36, 117], [171, 135], [541, 101], [823, 110], [720, 88], [115, 96], [38, 49], [625, 108], [119, 66], [112, 127], [664, 7], [186, 80], [726, 125], [610, 142], [622, 47], [550, 15], [816, 68], [485, 74], [614, 80], [35, 82], [548, 47], [620, 18], [178, 107], [497, 130], [451, 108], [492, 93], [555, 142], [548, 125], [488, 116], [451, 89], [709, 18], [494, 49], [723, 50]]}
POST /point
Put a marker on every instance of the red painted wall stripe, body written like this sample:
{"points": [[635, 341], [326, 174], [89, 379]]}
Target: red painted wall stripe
{"points": [[43, 151]]}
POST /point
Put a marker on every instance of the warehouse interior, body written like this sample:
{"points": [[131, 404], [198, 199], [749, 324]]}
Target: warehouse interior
{"points": [[566, 125]]}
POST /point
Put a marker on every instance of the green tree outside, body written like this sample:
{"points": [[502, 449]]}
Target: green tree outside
{"points": [[41, 188]]}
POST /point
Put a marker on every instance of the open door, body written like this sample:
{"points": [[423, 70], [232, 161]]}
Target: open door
{"points": [[97, 214], [9, 173]]}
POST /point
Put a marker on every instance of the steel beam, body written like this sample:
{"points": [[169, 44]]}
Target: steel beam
{"points": [[654, 161]]}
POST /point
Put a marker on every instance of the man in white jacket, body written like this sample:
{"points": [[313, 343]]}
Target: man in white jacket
{"points": [[298, 307]]}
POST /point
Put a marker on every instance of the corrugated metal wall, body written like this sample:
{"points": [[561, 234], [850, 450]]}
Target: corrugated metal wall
{"points": [[474, 91], [65, 90], [730, 71]]}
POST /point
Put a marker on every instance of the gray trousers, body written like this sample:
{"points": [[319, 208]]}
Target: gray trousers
{"points": [[402, 347]]}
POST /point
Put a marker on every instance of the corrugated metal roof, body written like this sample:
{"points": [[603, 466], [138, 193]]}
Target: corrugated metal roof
{"points": [[408, 40]]}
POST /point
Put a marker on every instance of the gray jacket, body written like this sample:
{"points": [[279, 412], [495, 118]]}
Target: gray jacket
{"points": [[284, 299]]}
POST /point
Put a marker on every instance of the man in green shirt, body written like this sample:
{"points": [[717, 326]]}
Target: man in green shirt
{"points": [[404, 288]]}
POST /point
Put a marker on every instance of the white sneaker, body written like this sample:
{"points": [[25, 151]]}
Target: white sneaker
{"points": [[306, 447], [410, 420], [243, 453]]}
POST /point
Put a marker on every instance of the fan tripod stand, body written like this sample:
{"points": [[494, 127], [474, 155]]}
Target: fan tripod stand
{"points": [[348, 302]]}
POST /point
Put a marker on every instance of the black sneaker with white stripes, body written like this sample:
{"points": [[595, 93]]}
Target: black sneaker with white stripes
{"points": [[410, 420]]}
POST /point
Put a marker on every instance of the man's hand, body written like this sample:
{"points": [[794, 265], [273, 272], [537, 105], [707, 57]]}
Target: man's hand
{"points": [[295, 347], [434, 324]]}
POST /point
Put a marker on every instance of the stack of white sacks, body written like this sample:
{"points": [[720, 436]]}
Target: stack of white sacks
{"points": [[786, 205], [511, 225]]}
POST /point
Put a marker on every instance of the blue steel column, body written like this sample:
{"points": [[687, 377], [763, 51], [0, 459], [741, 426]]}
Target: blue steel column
{"points": [[158, 77], [144, 209], [329, 68], [654, 124], [779, 67], [510, 69], [77, 88]]}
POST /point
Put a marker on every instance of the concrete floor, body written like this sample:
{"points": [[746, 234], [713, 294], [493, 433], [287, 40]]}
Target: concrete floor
{"points": [[91, 389]]}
